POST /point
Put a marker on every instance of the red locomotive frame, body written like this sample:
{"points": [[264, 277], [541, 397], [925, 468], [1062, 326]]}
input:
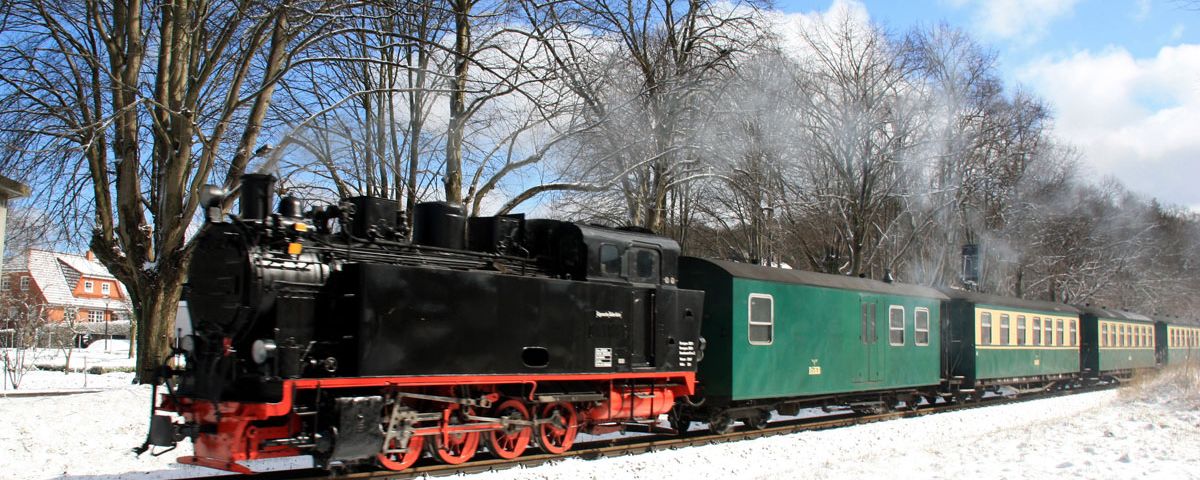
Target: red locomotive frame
{"points": [[453, 426]]}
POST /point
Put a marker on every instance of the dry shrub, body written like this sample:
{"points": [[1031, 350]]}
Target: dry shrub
{"points": [[1177, 385]]}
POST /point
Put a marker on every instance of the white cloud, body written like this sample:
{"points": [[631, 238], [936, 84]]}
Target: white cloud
{"points": [[793, 27], [1133, 118], [1022, 20]]}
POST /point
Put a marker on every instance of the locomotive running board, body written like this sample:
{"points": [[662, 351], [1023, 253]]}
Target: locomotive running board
{"points": [[217, 464]]}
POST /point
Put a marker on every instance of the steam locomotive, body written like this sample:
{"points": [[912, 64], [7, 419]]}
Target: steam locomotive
{"points": [[336, 333]]}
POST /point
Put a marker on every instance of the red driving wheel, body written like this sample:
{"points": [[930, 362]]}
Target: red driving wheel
{"points": [[402, 460], [558, 436], [455, 448], [510, 442]]}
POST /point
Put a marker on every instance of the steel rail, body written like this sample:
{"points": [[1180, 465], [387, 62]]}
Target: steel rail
{"points": [[651, 443]]}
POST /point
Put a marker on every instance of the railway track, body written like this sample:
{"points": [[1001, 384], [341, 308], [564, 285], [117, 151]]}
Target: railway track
{"points": [[651, 443]]}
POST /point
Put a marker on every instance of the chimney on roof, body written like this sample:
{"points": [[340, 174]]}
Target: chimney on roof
{"points": [[90, 256]]}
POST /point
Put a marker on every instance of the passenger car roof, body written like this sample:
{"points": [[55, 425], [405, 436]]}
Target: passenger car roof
{"points": [[1113, 313], [1190, 322], [801, 277], [1003, 301]]}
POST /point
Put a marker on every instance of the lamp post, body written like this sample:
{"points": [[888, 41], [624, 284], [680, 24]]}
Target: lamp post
{"points": [[106, 326]]}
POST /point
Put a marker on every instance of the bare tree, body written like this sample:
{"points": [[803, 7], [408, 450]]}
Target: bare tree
{"points": [[21, 336], [145, 101], [642, 71], [857, 129], [356, 121]]}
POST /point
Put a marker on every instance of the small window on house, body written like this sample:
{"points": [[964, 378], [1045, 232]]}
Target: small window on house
{"points": [[645, 265], [24, 284], [5, 284], [1021, 330], [1058, 328], [104, 288], [761, 319], [985, 328], [610, 260], [921, 326], [1037, 330], [896, 325], [95, 316], [1004, 329], [69, 315], [88, 286]]}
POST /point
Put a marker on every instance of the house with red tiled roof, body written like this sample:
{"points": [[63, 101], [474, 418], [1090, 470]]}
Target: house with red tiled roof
{"points": [[66, 288]]}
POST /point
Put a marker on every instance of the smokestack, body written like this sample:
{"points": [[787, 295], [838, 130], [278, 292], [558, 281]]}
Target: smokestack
{"points": [[887, 276], [256, 195], [831, 261], [970, 266]]}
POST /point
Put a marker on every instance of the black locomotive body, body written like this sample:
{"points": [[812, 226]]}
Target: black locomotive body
{"points": [[494, 328]]}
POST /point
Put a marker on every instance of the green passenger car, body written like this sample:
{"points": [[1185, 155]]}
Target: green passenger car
{"points": [[1178, 340], [1115, 343], [993, 340], [780, 338]]}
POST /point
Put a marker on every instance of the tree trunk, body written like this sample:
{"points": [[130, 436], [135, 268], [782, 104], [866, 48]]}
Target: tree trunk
{"points": [[458, 100], [159, 300]]}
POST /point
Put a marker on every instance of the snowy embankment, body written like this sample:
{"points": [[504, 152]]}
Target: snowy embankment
{"points": [[1151, 429]]}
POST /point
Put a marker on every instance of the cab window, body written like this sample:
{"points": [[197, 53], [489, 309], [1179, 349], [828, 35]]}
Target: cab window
{"points": [[610, 261], [644, 265]]}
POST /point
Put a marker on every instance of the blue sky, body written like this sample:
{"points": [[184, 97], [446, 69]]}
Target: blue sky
{"points": [[1121, 76]]}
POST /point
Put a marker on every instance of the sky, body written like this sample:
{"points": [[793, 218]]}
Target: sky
{"points": [[1122, 77]]}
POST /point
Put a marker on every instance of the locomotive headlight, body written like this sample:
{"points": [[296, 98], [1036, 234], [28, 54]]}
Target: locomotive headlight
{"points": [[178, 362], [262, 350]]}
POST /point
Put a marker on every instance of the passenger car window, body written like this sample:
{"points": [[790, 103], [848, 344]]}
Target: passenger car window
{"points": [[896, 325], [610, 260], [645, 265], [1103, 334], [985, 328], [1004, 329], [1074, 333], [1037, 330], [1021, 330], [761, 319], [921, 326], [1059, 329]]}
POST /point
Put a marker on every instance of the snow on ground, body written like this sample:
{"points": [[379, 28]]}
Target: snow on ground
{"points": [[49, 370], [1148, 430]]}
